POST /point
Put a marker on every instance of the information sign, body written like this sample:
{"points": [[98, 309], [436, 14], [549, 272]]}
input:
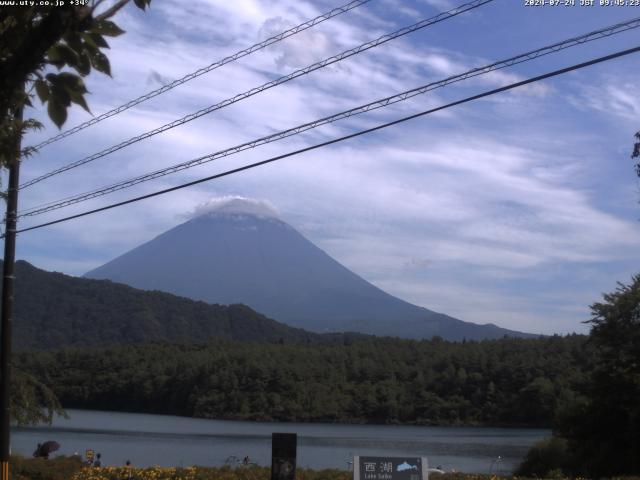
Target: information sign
{"points": [[390, 468]]}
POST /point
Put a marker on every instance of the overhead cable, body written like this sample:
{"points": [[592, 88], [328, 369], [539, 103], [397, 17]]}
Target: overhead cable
{"points": [[279, 81], [340, 139], [231, 58], [525, 57]]}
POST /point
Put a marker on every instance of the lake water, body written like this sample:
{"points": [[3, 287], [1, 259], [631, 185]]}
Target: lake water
{"points": [[174, 441]]}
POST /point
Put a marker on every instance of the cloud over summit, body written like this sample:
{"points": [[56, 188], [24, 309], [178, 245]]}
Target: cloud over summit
{"points": [[236, 205]]}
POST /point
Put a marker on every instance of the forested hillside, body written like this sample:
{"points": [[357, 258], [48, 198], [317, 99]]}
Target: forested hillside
{"points": [[378, 380], [53, 310]]}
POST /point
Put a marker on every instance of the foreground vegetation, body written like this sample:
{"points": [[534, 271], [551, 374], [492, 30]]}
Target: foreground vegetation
{"points": [[587, 388], [599, 434], [515, 382], [72, 468], [69, 468]]}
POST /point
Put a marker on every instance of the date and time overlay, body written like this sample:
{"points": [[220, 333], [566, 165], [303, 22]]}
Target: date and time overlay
{"points": [[526, 3], [581, 3]]}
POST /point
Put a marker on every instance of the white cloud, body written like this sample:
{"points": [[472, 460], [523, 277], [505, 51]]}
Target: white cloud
{"points": [[309, 46], [236, 205], [440, 4], [498, 191], [614, 97]]}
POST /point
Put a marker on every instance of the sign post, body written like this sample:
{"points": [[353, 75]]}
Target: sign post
{"points": [[284, 448], [390, 468]]}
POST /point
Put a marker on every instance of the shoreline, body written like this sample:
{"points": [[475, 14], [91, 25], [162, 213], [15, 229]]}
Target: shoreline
{"points": [[264, 421]]}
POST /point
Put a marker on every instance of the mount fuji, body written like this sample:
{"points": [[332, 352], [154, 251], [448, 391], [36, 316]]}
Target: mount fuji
{"points": [[241, 252]]}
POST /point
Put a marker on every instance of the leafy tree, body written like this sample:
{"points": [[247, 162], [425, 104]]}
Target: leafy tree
{"points": [[604, 430], [47, 50], [32, 402]]}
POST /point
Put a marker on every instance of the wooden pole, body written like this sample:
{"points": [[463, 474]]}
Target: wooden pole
{"points": [[7, 305]]}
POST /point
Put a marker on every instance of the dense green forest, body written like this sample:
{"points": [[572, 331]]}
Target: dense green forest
{"points": [[377, 380]]}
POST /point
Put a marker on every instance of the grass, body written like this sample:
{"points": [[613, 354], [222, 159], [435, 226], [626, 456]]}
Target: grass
{"points": [[72, 468]]}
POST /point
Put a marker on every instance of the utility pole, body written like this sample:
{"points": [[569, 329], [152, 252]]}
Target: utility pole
{"points": [[7, 299]]}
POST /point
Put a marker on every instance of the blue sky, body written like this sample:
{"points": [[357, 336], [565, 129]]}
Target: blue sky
{"points": [[519, 209]]}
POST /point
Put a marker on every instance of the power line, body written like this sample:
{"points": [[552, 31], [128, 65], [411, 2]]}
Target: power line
{"points": [[531, 55], [340, 139], [279, 81], [231, 58]]}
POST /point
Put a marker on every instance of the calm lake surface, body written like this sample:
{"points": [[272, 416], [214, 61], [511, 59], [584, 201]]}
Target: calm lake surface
{"points": [[174, 441]]}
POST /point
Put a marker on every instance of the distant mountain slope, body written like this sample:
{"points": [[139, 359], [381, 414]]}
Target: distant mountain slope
{"points": [[53, 310], [245, 257]]}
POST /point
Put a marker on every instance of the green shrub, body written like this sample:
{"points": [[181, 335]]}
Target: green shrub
{"points": [[59, 468], [546, 459]]}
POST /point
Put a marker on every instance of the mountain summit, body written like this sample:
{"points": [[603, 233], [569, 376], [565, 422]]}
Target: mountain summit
{"points": [[239, 251]]}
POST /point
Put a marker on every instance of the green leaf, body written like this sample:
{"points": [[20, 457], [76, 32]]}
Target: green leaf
{"points": [[89, 44], [42, 89], [75, 88], [74, 40], [84, 64], [71, 81], [108, 28], [55, 60], [67, 87], [101, 63], [57, 112], [98, 40], [61, 54], [59, 94], [78, 99]]}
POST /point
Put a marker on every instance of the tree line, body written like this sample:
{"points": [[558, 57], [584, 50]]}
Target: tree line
{"points": [[507, 382]]}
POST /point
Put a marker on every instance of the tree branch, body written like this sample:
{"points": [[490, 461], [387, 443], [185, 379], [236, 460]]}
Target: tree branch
{"points": [[112, 11]]}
